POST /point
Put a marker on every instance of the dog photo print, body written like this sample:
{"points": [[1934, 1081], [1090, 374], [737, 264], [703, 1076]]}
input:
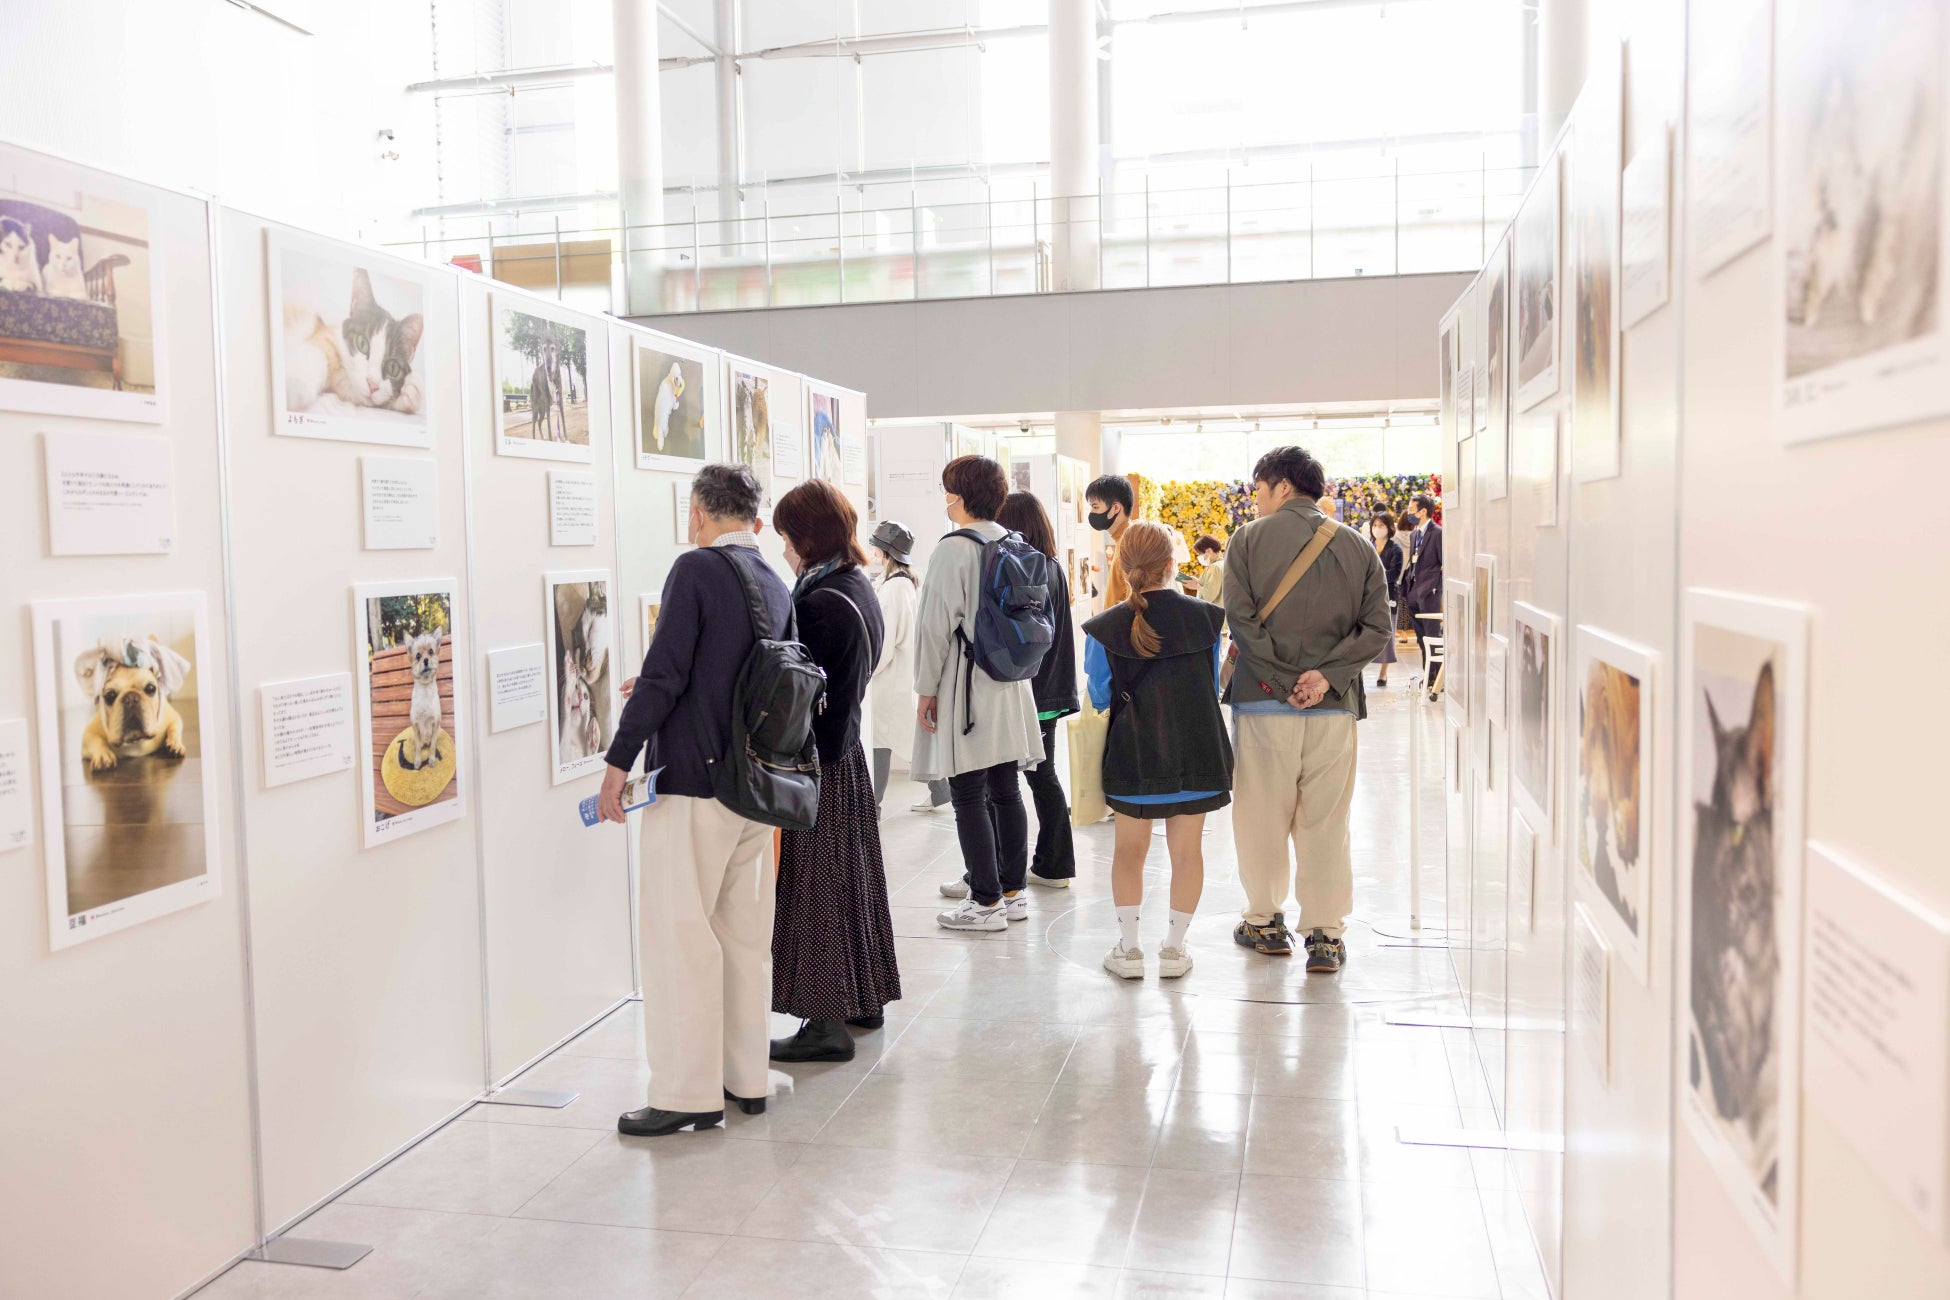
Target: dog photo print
{"points": [[1533, 721], [582, 699], [409, 697], [348, 352], [128, 794], [541, 382], [81, 324], [678, 418], [1615, 788], [1743, 747]]}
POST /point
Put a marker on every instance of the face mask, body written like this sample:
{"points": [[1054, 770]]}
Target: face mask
{"points": [[1100, 520], [1207, 557]]}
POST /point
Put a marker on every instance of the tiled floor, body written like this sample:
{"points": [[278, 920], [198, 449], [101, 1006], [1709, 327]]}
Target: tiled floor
{"points": [[1025, 1125]]}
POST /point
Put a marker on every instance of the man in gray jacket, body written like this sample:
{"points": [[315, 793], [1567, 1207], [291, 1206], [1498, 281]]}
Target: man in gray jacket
{"points": [[1296, 694]]}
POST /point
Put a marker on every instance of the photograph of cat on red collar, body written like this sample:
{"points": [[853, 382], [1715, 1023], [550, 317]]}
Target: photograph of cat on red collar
{"points": [[348, 347]]}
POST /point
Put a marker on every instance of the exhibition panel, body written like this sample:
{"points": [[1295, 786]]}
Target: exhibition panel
{"points": [[550, 652], [121, 943]]}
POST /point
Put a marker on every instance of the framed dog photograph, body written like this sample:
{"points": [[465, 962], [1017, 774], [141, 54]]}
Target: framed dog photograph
{"points": [[128, 781], [1615, 788], [411, 727], [1743, 771], [1537, 301], [582, 698], [81, 315], [348, 346], [1533, 716], [541, 382], [679, 410]]}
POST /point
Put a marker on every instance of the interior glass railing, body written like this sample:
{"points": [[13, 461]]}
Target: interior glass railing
{"points": [[792, 252]]}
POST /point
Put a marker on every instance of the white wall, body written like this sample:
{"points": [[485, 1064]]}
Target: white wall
{"points": [[1360, 340], [203, 95]]}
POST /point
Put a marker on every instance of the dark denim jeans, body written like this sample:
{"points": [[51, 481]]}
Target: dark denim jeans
{"points": [[1056, 856], [994, 831]]}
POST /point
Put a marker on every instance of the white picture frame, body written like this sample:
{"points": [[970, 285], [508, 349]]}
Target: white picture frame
{"points": [[761, 415], [1538, 296], [1743, 782], [1591, 275], [72, 715], [579, 741], [320, 277], [700, 419], [1537, 653], [378, 823], [1455, 650], [511, 369], [1613, 853], [825, 431], [1729, 131], [1645, 230]]}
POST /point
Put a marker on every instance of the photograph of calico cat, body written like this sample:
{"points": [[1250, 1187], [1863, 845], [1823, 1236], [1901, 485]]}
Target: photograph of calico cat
{"points": [[1610, 778], [348, 348], [752, 429], [1733, 1064], [584, 696]]}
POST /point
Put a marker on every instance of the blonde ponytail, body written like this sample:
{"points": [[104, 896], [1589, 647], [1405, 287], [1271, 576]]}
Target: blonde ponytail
{"points": [[1144, 553]]}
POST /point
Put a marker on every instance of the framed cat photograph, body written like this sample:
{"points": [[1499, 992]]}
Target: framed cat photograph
{"points": [[679, 410], [1591, 257], [81, 311], [348, 346], [1482, 620], [542, 409], [1493, 399], [1613, 804], [582, 699], [1743, 772], [823, 419], [1538, 296], [1455, 650], [411, 723], [1533, 716], [764, 426]]}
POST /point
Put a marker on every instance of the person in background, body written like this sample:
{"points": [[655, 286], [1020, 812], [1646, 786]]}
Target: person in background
{"points": [[1153, 662], [971, 730], [1211, 556], [1054, 861], [898, 593], [1296, 695], [833, 942], [1112, 504], [1423, 584], [704, 914], [1381, 531]]}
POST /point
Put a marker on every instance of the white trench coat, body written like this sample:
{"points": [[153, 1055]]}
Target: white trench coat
{"points": [[1005, 728], [891, 690]]}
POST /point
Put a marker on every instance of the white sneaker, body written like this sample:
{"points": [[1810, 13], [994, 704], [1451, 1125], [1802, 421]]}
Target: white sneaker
{"points": [[1173, 962], [925, 806], [954, 888], [1125, 963], [1049, 882], [1017, 907], [971, 915]]}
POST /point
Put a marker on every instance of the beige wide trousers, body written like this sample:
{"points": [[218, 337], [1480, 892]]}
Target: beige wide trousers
{"points": [[1293, 782], [704, 921]]}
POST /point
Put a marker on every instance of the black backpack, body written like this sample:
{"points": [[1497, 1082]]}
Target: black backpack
{"points": [[771, 772], [1014, 622]]}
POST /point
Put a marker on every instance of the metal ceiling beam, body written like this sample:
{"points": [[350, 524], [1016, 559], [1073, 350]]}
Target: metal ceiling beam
{"points": [[688, 30], [511, 77]]}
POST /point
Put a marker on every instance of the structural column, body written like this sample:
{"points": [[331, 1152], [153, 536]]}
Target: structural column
{"points": [[1560, 65], [1073, 144], [639, 155], [731, 124]]}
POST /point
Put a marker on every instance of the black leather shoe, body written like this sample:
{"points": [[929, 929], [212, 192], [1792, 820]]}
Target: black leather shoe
{"points": [[653, 1123], [750, 1105], [817, 1040], [867, 1022]]}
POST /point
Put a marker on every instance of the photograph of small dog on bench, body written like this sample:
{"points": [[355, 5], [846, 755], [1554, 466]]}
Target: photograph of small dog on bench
{"points": [[122, 740], [412, 739]]}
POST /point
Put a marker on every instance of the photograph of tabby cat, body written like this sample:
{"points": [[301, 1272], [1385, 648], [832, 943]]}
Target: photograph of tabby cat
{"points": [[1735, 988], [583, 699], [348, 346], [670, 409], [751, 425], [541, 376], [1862, 177], [75, 306], [1612, 830]]}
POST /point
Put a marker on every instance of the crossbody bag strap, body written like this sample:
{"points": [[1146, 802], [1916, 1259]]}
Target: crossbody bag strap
{"points": [[1298, 569], [755, 603], [865, 631]]}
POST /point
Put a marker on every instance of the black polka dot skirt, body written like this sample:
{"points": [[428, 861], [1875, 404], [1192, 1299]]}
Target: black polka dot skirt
{"points": [[833, 937]]}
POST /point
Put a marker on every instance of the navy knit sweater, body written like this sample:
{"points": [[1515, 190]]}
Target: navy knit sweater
{"points": [[681, 705]]}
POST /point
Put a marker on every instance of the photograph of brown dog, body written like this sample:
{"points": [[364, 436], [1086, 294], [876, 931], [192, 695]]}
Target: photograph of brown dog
{"points": [[131, 770]]}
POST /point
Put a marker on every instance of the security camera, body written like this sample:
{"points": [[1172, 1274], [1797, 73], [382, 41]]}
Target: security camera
{"points": [[1022, 426]]}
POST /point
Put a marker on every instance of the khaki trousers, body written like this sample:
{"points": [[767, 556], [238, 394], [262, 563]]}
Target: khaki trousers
{"points": [[704, 923], [1293, 781]]}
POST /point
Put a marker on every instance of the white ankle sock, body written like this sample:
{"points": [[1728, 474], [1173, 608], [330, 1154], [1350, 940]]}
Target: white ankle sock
{"points": [[1127, 928], [1175, 930]]}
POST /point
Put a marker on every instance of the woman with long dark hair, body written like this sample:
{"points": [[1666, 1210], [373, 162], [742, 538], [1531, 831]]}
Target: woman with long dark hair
{"points": [[1381, 531], [832, 936], [1054, 860]]}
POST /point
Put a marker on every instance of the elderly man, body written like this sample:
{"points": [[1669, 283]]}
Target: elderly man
{"points": [[1308, 611]]}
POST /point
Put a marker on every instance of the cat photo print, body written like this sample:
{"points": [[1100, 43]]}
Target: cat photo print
{"points": [[348, 356], [80, 324], [1612, 811], [583, 703]]}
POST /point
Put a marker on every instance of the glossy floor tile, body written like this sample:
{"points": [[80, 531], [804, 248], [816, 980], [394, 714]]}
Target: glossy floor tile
{"points": [[1023, 1126]]}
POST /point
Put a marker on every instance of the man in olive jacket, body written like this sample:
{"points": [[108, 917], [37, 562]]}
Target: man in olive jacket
{"points": [[1296, 694]]}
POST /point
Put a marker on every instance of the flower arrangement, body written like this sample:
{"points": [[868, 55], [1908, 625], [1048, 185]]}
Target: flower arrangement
{"points": [[1211, 506]]}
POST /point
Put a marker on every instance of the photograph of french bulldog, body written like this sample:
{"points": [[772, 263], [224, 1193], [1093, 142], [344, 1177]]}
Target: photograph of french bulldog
{"points": [[130, 683]]}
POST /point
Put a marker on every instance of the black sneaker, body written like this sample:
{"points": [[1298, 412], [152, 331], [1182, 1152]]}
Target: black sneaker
{"points": [[1324, 956], [1269, 940]]}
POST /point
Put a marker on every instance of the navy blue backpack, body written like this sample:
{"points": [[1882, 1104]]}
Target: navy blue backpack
{"points": [[1014, 624]]}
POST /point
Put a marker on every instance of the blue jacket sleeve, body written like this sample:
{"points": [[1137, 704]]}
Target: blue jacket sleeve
{"points": [[1096, 671]]}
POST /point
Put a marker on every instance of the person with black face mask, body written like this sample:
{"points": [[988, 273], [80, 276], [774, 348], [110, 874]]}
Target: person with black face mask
{"points": [[1112, 502]]}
